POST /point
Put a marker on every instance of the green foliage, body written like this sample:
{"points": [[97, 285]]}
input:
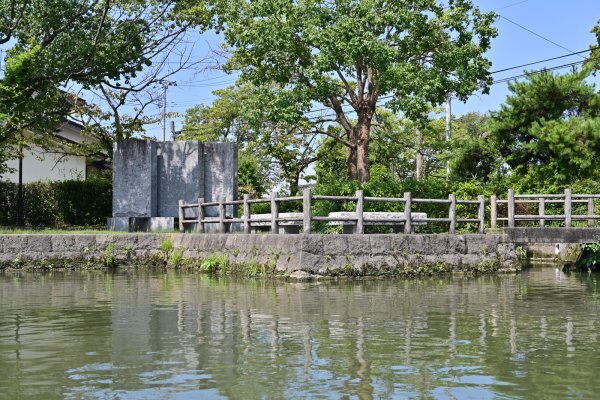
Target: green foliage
{"points": [[473, 154], [108, 256], [547, 131], [166, 245], [58, 204], [521, 253], [353, 52], [252, 175], [214, 263], [176, 258], [589, 258], [271, 152], [254, 268], [593, 60], [81, 43]]}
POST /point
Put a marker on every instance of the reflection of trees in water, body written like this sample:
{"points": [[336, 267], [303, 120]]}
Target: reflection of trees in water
{"points": [[43, 321], [482, 321], [368, 339]]}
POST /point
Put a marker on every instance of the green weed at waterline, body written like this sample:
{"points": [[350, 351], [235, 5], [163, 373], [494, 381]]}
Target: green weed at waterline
{"points": [[214, 263]]}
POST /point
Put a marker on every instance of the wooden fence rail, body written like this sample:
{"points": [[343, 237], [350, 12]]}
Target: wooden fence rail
{"points": [[305, 219], [568, 199]]}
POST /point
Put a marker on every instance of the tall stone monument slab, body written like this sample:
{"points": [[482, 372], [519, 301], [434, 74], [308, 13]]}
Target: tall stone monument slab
{"points": [[149, 179], [134, 179], [180, 175]]}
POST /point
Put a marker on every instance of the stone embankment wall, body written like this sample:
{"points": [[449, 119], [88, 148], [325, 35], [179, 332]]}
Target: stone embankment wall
{"points": [[392, 254], [551, 244]]}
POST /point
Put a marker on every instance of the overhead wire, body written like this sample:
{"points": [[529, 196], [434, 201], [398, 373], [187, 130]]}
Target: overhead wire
{"points": [[495, 82], [535, 33], [547, 59], [503, 80]]}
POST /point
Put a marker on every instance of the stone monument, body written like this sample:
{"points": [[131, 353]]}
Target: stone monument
{"points": [[149, 178]]}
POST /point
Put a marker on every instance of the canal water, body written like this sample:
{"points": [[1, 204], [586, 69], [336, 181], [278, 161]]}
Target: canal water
{"points": [[93, 335]]}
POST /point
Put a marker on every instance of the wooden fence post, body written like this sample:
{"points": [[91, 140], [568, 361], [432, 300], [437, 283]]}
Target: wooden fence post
{"points": [[511, 208], [568, 208], [542, 212], [452, 213], [590, 209], [306, 210], [493, 211], [360, 204], [221, 217], [481, 199], [407, 212], [181, 216], [246, 214], [200, 227], [274, 213]]}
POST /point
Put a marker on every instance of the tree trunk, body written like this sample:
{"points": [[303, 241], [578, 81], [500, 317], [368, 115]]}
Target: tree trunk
{"points": [[351, 158], [362, 154], [20, 206], [357, 157], [419, 172], [293, 184], [419, 168]]}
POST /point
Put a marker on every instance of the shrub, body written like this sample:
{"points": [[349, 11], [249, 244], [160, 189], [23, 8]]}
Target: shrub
{"points": [[58, 204]]}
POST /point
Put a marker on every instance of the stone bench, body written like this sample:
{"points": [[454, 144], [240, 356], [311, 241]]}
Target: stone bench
{"points": [[395, 219], [262, 222]]}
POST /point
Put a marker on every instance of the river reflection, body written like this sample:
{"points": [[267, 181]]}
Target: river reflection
{"points": [[91, 335]]}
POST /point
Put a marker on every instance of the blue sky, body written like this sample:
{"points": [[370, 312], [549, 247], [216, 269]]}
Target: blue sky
{"points": [[566, 23]]}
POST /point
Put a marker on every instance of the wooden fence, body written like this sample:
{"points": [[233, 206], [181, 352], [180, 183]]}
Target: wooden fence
{"points": [[306, 218], [568, 199]]}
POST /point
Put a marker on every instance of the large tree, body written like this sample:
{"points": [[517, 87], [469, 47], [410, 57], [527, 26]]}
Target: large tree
{"points": [[594, 58], [549, 127], [349, 55], [54, 45], [283, 150]]}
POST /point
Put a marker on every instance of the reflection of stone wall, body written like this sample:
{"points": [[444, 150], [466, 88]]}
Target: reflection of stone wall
{"points": [[149, 178]]}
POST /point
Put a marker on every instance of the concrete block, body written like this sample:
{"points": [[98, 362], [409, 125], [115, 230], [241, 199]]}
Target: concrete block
{"points": [[220, 174], [153, 224], [180, 175], [161, 224], [134, 179], [119, 224]]}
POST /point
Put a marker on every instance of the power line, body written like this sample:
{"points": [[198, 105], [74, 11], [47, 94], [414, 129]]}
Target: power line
{"points": [[541, 61], [493, 83], [526, 74], [511, 5], [534, 33]]}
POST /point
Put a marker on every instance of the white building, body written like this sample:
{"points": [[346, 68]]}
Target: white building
{"points": [[52, 165]]}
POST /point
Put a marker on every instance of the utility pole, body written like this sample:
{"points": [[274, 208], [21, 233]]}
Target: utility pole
{"points": [[448, 129], [173, 130], [165, 85]]}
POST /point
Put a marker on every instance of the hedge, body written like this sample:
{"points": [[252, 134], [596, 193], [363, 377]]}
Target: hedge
{"points": [[58, 204]]}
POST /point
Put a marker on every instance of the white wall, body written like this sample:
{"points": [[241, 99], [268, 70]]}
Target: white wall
{"points": [[40, 165], [43, 165]]}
